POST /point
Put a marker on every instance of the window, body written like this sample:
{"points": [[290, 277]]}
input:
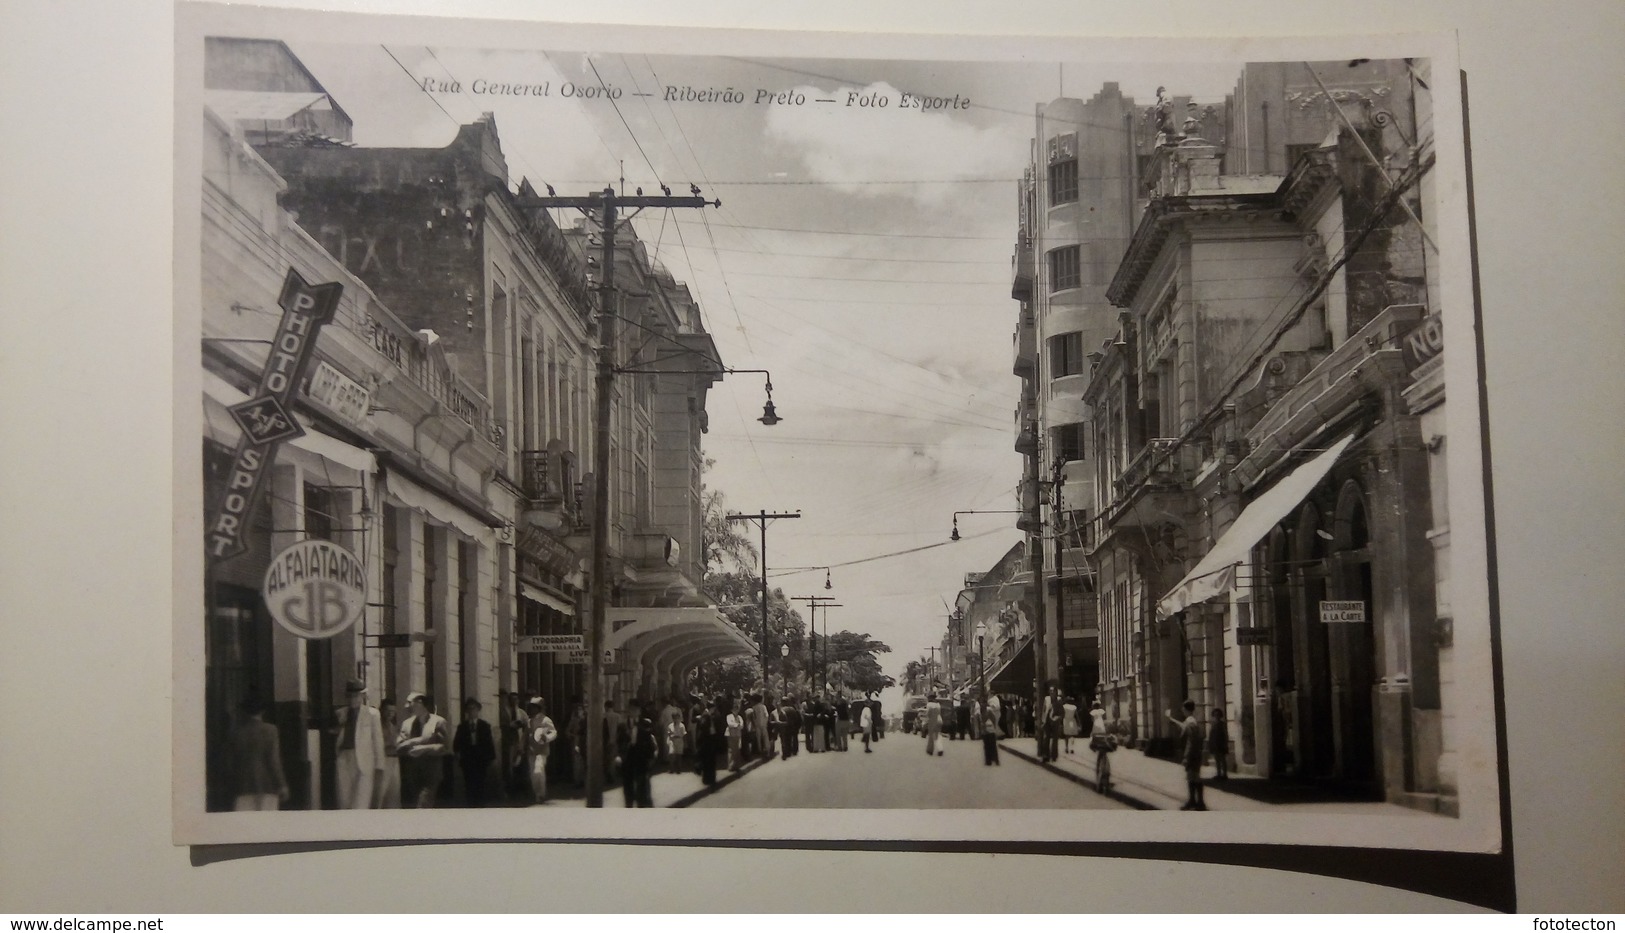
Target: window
{"points": [[1066, 355], [1296, 151], [1068, 442], [1063, 268], [1063, 182]]}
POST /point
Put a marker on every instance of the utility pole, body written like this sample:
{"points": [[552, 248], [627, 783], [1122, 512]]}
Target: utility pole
{"points": [[1035, 555], [762, 518], [813, 604], [607, 204]]}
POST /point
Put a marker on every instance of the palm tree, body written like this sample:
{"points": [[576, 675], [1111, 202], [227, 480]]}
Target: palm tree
{"points": [[914, 675], [722, 538]]}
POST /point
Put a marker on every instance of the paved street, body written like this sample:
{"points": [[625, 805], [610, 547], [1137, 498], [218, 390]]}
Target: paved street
{"points": [[899, 775]]}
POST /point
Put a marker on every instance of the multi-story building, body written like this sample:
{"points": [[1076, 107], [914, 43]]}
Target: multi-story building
{"points": [[1077, 206], [389, 467], [465, 488], [1267, 531]]}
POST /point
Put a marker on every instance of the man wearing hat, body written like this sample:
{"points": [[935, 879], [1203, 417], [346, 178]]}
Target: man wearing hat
{"points": [[361, 749], [475, 751]]}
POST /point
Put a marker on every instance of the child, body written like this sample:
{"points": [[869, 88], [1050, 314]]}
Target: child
{"points": [[675, 734], [1218, 745]]}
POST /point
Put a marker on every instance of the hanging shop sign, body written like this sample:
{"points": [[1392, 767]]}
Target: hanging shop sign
{"points": [[315, 589], [1253, 636], [1342, 610], [344, 396], [266, 418], [547, 644], [547, 552]]}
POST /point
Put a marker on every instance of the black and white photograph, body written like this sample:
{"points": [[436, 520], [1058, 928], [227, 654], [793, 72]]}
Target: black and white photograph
{"points": [[956, 441], [923, 458]]}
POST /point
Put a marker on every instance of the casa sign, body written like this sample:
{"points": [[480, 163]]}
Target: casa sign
{"points": [[315, 589]]}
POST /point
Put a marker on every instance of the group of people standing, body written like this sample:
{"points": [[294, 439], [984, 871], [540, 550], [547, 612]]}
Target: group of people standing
{"points": [[380, 762], [383, 762], [825, 724]]}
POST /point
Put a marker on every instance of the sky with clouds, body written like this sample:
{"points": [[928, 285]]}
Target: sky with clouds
{"points": [[861, 254]]}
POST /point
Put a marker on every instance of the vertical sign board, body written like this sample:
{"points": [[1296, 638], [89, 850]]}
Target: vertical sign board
{"points": [[266, 418], [1342, 610]]}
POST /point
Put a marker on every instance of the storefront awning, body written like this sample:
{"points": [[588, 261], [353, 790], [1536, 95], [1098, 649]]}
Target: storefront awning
{"points": [[1015, 675], [1215, 573], [434, 505], [538, 595], [219, 395], [650, 626]]}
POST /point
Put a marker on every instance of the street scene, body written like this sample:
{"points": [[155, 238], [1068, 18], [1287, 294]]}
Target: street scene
{"points": [[588, 429]]}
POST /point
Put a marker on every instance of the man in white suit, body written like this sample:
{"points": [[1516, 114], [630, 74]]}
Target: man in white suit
{"points": [[361, 749]]}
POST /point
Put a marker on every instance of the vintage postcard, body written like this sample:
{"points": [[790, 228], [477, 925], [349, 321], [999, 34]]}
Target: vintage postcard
{"points": [[813, 437]]}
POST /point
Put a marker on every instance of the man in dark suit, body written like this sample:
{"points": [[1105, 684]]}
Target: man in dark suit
{"points": [[475, 751]]}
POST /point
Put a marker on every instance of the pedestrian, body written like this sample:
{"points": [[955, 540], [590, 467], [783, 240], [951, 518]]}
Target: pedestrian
{"points": [[387, 794], [676, 737], [575, 742], [475, 750], [990, 735], [1069, 722], [840, 721], [761, 720], [1218, 745], [614, 732], [638, 760], [423, 742], [1191, 751], [705, 746], [360, 749], [933, 727], [866, 724], [790, 716], [256, 759], [1049, 724], [512, 721], [736, 731]]}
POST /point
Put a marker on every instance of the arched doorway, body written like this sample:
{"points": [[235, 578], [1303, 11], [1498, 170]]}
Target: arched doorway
{"points": [[1353, 646], [1317, 747]]}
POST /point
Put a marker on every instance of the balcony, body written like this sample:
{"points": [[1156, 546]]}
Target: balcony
{"points": [[1021, 273], [554, 499], [1153, 490], [1024, 345]]}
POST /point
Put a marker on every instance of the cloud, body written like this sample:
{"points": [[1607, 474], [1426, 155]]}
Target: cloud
{"points": [[850, 145]]}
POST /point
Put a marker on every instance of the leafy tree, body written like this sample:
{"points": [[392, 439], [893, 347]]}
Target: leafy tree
{"points": [[847, 661], [738, 594]]}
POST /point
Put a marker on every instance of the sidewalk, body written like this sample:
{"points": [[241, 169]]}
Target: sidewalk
{"points": [[1157, 784], [665, 789]]}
